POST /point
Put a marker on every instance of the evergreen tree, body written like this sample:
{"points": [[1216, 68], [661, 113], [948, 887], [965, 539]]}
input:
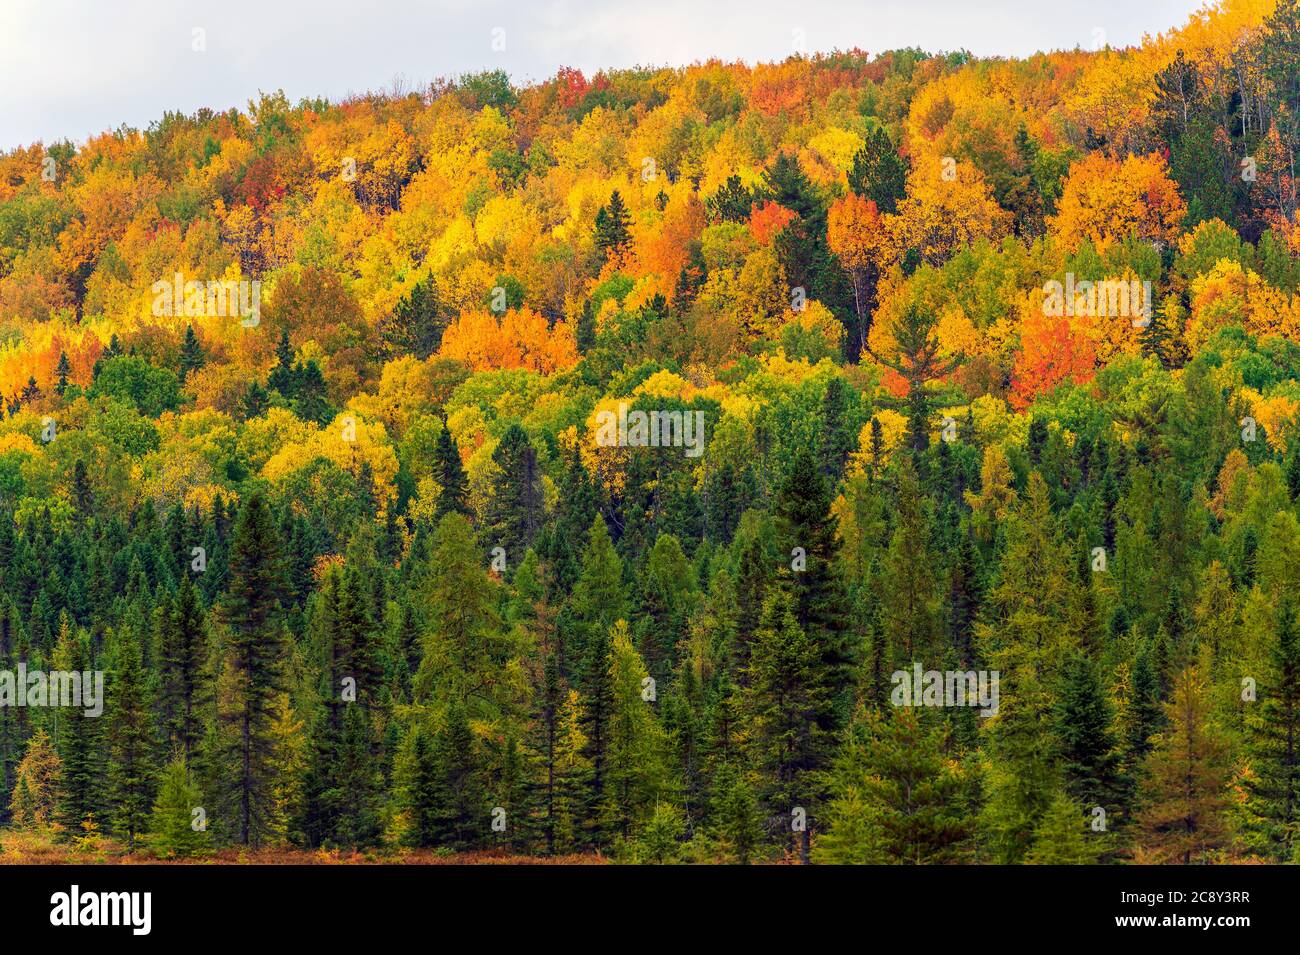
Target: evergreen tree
{"points": [[613, 232], [192, 355], [254, 662], [896, 796], [1062, 836], [131, 741], [878, 173], [174, 829], [453, 496], [515, 510], [1273, 746]]}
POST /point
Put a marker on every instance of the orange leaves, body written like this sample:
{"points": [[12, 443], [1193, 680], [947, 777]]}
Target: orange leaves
{"points": [[1051, 352], [854, 229], [767, 219], [1106, 201], [520, 339]]}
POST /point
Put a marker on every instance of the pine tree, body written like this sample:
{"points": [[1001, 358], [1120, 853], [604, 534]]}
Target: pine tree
{"points": [[1089, 752], [184, 669], [637, 764], [838, 436], [458, 816], [787, 702], [910, 602], [63, 371], [819, 601], [80, 743], [736, 822], [878, 173], [255, 662], [613, 233]]}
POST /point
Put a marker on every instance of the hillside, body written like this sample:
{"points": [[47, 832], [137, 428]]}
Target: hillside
{"points": [[643, 464]]}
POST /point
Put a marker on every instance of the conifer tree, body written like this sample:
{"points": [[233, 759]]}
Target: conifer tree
{"points": [[174, 829], [1185, 819], [131, 739], [453, 496], [1062, 836], [895, 795], [80, 741], [818, 598], [192, 355], [515, 510], [612, 226], [184, 668], [255, 663], [34, 801], [637, 761], [1273, 746]]}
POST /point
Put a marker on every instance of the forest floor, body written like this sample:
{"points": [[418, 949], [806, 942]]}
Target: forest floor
{"points": [[28, 848]]}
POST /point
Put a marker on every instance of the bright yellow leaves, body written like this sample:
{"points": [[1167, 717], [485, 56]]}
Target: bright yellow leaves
{"points": [[948, 207], [519, 339], [1106, 200], [1229, 295]]}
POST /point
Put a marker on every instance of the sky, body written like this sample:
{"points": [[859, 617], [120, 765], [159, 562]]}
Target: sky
{"points": [[70, 70]]}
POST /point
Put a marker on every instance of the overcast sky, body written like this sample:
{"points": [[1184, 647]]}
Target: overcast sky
{"points": [[73, 69]]}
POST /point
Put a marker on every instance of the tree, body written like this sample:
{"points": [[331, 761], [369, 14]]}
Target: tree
{"points": [[911, 348], [1061, 837], [818, 600], [612, 231], [184, 669], [131, 757], [192, 355], [637, 770], [878, 173], [515, 509], [174, 829], [453, 496], [1189, 771], [1273, 746], [34, 801], [895, 795], [787, 702], [1089, 752], [254, 663]]}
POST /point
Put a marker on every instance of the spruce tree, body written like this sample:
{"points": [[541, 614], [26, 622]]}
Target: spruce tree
{"points": [[255, 660], [174, 829], [453, 496], [132, 754], [515, 509]]}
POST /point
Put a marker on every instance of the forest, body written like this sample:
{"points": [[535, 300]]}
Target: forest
{"points": [[862, 458]]}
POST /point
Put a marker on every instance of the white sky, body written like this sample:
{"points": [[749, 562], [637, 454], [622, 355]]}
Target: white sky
{"points": [[72, 69]]}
